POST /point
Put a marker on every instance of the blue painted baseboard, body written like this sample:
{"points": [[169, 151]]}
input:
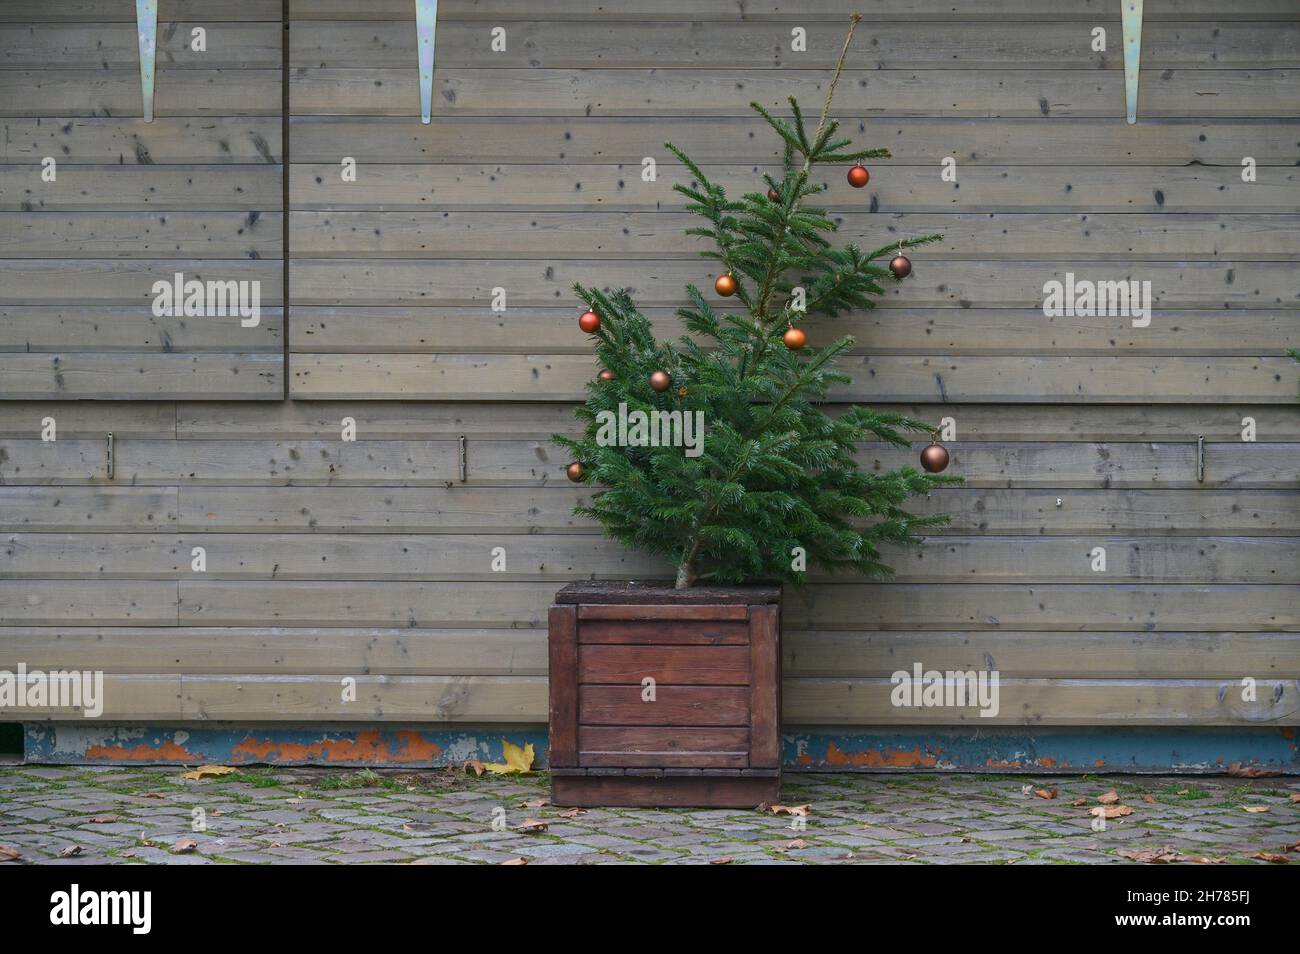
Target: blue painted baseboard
{"points": [[1010, 749]]}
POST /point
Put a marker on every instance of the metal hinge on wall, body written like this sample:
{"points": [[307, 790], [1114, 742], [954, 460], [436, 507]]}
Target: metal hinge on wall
{"points": [[426, 25], [146, 31], [1132, 55]]}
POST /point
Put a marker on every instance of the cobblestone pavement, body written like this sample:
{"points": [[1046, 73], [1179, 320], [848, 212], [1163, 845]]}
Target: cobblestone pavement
{"points": [[81, 815]]}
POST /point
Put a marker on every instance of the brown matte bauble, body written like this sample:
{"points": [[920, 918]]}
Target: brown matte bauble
{"points": [[575, 472], [772, 194], [795, 339], [901, 266], [589, 322], [661, 381], [859, 176], [935, 458], [725, 285], [607, 375]]}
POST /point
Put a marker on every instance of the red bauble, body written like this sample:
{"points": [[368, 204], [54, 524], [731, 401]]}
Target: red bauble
{"points": [[935, 457], [607, 375], [773, 195], [575, 472], [795, 339], [725, 285], [859, 176], [901, 266], [661, 381], [589, 322]]}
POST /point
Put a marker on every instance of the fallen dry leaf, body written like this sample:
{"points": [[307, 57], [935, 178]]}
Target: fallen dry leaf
{"points": [[532, 825], [1110, 798], [796, 843], [102, 820], [70, 852], [1047, 793], [1237, 770], [1184, 791], [1269, 856], [1203, 860], [1292, 847], [1151, 856], [515, 861], [184, 846], [1079, 802], [1295, 796], [1149, 799], [477, 767], [534, 803], [573, 813], [205, 770], [9, 854], [1255, 809], [517, 761], [1110, 811], [720, 861], [792, 809], [150, 795]]}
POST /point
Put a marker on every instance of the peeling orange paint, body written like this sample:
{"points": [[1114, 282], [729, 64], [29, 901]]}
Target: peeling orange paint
{"points": [[884, 758], [368, 746], [167, 752]]}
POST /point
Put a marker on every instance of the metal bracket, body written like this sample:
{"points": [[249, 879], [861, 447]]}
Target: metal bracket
{"points": [[108, 455], [146, 31], [464, 461], [426, 25], [1200, 459], [1132, 55]]}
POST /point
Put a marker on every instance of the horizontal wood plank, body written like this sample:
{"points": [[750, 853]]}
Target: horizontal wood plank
{"points": [[1170, 93]]}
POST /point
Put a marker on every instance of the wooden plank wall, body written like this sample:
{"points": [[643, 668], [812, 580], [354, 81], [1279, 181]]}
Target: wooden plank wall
{"points": [[198, 191], [372, 558]]}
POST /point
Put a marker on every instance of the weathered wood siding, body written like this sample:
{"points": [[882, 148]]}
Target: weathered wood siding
{"points": [[197, 191], [373, 559]]}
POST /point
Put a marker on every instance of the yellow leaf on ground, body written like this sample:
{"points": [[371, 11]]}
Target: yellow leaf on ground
{"points": [[204, 770], [1254, 809], [1110, 798], [517, 761], [515, 861], [1111, 811]]}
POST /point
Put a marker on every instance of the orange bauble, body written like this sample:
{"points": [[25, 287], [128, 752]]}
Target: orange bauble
{"points": [[607, 375], [901, 266], [859, 176], [589, 322], [795, 339], [661, 381], [575, 472], [725, 285]]}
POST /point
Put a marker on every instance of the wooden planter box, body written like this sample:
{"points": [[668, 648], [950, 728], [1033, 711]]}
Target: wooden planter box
{"points": [[711, 734]]}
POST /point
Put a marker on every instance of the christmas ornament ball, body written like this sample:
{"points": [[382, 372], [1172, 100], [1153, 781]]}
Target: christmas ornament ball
{"points": [[772, 194], [589, 322], [607, 375], [575, 472], [795, 339], [725, 285], [934, 458], [859, 176], [661, 381], [901, 266]]}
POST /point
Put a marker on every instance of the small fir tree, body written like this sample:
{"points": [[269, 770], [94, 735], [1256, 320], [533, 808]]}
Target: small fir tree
{"points": [[778, 478]]}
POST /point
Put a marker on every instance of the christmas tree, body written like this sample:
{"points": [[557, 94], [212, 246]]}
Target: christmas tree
{"points": [[771, 487]]}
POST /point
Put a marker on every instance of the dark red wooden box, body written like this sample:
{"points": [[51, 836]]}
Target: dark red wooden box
{"points": [[708, 735]]}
